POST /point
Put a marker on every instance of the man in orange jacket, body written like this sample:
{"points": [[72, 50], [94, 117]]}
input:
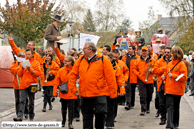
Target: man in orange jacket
{"points": [[94, 71], [129, 60], [159, 70], [29, 75], [31, 45], [143, 69]]}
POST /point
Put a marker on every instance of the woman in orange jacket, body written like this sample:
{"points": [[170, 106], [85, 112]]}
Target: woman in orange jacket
{"points": [[49, 69], [67, 99], [175, 77], [111, 107]]}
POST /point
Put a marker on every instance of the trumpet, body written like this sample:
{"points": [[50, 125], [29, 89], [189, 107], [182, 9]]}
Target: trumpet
{"points": [[148, 71], [47, 73], [155, 77]]}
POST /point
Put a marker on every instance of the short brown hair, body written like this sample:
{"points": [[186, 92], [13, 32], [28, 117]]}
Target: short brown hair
{"points": [[110, 55], [162, 47], [116, 51], [70, 58], [32, 42], [149, 44], [50, 54], [167, 47], [75, 53], [177, 53], [62, 51], [29, 49]]}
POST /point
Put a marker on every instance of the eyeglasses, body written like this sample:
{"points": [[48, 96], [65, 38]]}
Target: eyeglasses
{"points": [[30, 45], [167, 52]]}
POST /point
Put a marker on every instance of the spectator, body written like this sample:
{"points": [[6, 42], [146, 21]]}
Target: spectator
{"points": [[41, 51]]}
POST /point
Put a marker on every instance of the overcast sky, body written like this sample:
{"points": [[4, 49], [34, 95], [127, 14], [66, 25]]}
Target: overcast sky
{"points": [[136, 10]]}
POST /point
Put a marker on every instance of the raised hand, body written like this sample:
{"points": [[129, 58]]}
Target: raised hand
{"points": [[10, 37], [55, 45]]}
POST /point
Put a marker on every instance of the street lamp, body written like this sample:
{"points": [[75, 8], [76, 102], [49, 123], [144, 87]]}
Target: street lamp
{"points": [[70, 24]]}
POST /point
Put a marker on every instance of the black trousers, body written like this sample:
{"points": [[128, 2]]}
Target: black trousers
{"points": [[94, 106], [145, 92], [24, 93], [77, 108], [115, 107], [130, 94], [173, 106], [156, 97], [17, 98], [162, 105], [48, 93], [110, 112]]}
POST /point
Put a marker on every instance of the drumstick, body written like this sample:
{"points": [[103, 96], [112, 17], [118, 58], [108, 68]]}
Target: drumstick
{"points": [[170, 77]]}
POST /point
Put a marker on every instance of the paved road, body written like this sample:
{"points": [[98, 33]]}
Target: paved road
{"points": [[125, 119]]}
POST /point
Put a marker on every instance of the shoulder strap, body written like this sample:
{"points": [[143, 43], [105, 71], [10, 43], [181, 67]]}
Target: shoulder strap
{"points": [[175, 65]]}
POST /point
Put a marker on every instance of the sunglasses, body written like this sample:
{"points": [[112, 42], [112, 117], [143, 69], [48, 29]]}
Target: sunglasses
{"points": [[167, 52]]}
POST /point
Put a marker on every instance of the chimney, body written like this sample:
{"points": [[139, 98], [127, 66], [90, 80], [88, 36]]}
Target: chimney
{"points": [[159, 16]]}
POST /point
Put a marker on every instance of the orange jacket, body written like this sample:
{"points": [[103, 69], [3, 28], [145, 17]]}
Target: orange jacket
{"points": [[119, 77], [124, 69], [140, 68], [93, 77], [16, 50], [54, 68], [159, 70], [29, 76], [153, 55], [14, 69], [62, 77], [56, 60], [132, 76], [175, 87], [60, 56], [113, 47]]}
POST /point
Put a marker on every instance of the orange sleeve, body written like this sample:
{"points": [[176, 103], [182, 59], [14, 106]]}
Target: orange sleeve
{"points": [[110, 77], [55, 69], [113, 47], [13, 69], [125, 72], [73, 76], [183, 70], [58, 62], [135, 68], [15, 49], [36, 70], [57, 82], [20, 71], [119, 77], [60, 56], [159, 70]]}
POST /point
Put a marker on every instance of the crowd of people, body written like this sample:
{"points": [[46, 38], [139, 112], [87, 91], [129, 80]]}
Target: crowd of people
{"points": [[97, 83]]}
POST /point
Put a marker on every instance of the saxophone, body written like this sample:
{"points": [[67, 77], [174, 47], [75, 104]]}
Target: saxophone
{"points": [[47, 73], [148, 71]]}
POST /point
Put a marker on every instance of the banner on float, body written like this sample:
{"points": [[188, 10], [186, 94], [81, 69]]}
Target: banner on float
{"points": [[156, 48], [87, 37]]}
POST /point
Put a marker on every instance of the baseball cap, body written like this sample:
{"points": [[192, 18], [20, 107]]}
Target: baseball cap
{"points": [[144, 48]]}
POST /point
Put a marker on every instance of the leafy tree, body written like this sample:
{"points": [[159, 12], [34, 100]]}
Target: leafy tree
{"points": [[88, 21], [28, 20]]}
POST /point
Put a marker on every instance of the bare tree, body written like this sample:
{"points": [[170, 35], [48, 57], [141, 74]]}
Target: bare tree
{"points": [[180, 7], [109, 14]]}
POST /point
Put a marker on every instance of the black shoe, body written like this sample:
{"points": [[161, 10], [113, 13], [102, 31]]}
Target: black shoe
{"points": [[17, 119], [162, 122], [127, 108], [77, 119], [148, 111], [71, 126], [44, 110], [52, 99], [50, 107], [157, 114], [191, 95], [26, 116], [142, 113]]}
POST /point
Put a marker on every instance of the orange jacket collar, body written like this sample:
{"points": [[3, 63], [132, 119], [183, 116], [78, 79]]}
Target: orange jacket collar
{"points": [[175, 61], [31, 60]]}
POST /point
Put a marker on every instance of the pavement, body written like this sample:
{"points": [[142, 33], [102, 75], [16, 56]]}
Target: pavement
{"points": [[125, 119]]}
